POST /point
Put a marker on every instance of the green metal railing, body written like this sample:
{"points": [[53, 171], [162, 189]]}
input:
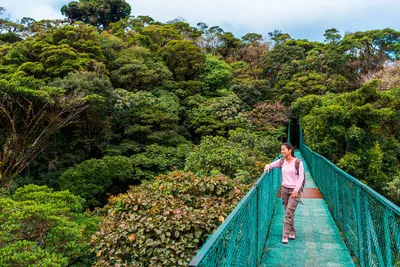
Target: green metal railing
{"points": [[369, 222], [240, 239]]}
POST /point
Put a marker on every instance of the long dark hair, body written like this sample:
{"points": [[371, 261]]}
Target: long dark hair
{"points": [[289, 147]]}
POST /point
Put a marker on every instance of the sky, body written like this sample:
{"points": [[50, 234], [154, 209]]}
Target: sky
{"points": [[306, 19]]}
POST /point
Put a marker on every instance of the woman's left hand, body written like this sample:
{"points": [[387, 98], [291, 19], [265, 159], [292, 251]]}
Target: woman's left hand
{"points": [[293, 195]]}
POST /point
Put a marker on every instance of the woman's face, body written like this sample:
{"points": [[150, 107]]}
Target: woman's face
{"points": [[285, 151]]}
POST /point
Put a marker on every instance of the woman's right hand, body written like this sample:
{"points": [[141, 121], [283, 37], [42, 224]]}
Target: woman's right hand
{"points": [[266, 168]]}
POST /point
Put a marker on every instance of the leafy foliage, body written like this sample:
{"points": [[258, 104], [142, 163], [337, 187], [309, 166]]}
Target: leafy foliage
{"points": [[97, 13], [393, 189], [102, 100], [143, 118], [216, 116], [40, 227], [184, 59], [164, 222], [159, 159], [218, 74], [137, 69], [241, 156], [30, 113], [359, 131], [92, 178]]}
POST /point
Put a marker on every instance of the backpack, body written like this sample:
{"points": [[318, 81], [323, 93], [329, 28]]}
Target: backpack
{"points": [[296, 164]]}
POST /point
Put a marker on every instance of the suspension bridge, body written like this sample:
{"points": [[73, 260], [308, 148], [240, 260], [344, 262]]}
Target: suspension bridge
{"points": [[342, 222]]}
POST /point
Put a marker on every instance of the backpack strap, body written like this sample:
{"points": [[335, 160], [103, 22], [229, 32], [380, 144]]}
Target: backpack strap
{"points": [[297, 165], [281, 161]]}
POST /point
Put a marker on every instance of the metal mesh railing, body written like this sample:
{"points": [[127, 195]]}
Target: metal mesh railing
{"points": [[369, 222], [240, 239]]}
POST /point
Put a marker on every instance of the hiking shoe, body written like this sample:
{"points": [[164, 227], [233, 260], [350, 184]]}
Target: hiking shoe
{"points": [[292, 236], [285, 240]]}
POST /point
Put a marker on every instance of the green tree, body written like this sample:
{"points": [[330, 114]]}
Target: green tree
{"points": [[211, 38], [229, 47], [184, 59], [252, 91], [160, 35], [55, 53], [252, 53], [315, 83], [79, 141], [393, 189], [279, 37], [137, 69], [281, 61], [186, 31], [94, 178], [218, 74], [141, 119], [332, 36], [251, 38], [84, 84], [371, 49], [215, 116], [99, 13], [30, 113], [111, 46]]}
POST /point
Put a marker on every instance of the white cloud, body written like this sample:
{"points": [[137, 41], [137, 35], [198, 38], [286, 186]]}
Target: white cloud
{"points": [[265, 16], [256, 12], [245, 15], [38, 9]]}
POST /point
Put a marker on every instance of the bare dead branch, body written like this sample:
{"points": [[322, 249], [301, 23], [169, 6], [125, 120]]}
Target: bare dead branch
{"points": [[28, 136]]}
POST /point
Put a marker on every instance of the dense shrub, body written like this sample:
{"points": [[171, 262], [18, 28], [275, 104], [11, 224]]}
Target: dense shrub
{"points": [[217, 115], [93, 178], [241, 156], [39, 227], [25, 253], [164, 222], [159, 159]]}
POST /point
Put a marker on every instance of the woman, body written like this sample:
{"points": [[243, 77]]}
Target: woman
{"points": [[292, 181]]}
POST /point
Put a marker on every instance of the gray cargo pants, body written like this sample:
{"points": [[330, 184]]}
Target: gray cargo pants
{"points": [[290, 205]]}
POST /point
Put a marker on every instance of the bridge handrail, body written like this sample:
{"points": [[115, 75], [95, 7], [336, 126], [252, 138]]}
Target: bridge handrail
{"points": [[240, 239], [369, 222]]}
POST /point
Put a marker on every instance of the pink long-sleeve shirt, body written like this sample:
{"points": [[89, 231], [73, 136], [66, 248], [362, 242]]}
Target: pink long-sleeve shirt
{"points": [[290, 179]]}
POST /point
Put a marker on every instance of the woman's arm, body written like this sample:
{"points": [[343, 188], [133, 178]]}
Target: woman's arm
{"points": [[274, 164]]}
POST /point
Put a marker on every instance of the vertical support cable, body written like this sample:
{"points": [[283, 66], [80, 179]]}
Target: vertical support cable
{"points": [[360, 228], [387, 240], [336, 202], [368, 244], [342, 205], [257, 224]]}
